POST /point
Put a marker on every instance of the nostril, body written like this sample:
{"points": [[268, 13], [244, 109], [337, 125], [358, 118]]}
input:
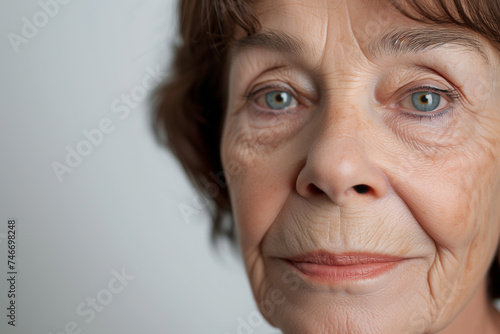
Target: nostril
{"points": [[361, 188], [313, 189]]}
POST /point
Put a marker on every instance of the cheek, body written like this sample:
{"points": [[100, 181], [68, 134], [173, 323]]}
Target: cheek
{"points": [[260, 187], [454, 198], [255, 199], [443, 199]]}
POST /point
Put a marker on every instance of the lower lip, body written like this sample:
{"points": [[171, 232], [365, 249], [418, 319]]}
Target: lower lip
{"points": [[329, 273]]}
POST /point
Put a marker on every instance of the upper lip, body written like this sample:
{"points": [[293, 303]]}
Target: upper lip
{"points": [[343, 259]]}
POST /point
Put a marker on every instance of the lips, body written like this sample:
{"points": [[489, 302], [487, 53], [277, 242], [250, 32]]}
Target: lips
{"points": [[325, 266]]}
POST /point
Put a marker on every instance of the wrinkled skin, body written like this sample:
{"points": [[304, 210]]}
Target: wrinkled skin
{"points": [[433, 184]]}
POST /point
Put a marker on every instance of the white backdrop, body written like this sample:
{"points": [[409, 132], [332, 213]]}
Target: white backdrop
{"points": [[101, 245]]}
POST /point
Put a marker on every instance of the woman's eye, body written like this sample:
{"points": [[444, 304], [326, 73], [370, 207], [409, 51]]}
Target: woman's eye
{"points": [[424, 101], [277, 100]]}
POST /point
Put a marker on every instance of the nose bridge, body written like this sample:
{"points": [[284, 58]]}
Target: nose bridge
{"points": [[341, 144], [342, 121], [345, 119], [346, 98], [341, 152], [340, 160]]}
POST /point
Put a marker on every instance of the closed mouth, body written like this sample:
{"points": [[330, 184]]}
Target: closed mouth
{"points": [[325, 266]]}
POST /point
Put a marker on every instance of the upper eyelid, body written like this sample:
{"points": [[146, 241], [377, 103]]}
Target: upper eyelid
{"points": [[427, 88], [271, 88]]}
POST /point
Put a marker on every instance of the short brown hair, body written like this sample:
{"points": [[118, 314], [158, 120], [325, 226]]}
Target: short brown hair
{"points": [[189, 106]]}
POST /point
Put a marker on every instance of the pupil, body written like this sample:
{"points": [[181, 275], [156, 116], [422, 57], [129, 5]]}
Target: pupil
{"points": [[424, 99], [279, 98]]}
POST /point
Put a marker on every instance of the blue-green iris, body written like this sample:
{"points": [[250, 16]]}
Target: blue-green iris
{"points": [[278, 99], [425, 101]]}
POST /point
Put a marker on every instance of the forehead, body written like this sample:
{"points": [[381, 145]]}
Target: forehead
{"points": [[317, 29], [332, 25]]}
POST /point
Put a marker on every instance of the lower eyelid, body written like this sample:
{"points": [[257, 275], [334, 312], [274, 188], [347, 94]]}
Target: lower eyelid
{"points": [[430, 116]]}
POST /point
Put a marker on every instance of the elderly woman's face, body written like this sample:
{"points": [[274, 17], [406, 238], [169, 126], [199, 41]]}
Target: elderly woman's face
{"points": [[367, 144]]}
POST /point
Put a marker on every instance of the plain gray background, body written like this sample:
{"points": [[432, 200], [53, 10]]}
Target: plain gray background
{"points": [[119, 208]]}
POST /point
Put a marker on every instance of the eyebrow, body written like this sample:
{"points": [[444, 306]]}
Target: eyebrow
{"points": [[394, 42], [417, 40], [274, 40]]}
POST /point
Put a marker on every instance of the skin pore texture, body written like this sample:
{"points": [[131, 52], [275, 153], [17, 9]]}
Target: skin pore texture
{"points": [[427, 187]]}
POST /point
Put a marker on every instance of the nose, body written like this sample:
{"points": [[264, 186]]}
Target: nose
{"points": [[339, 167]]}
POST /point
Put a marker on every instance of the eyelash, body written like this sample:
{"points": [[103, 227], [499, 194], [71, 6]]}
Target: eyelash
{"points": [[452, 94]]}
